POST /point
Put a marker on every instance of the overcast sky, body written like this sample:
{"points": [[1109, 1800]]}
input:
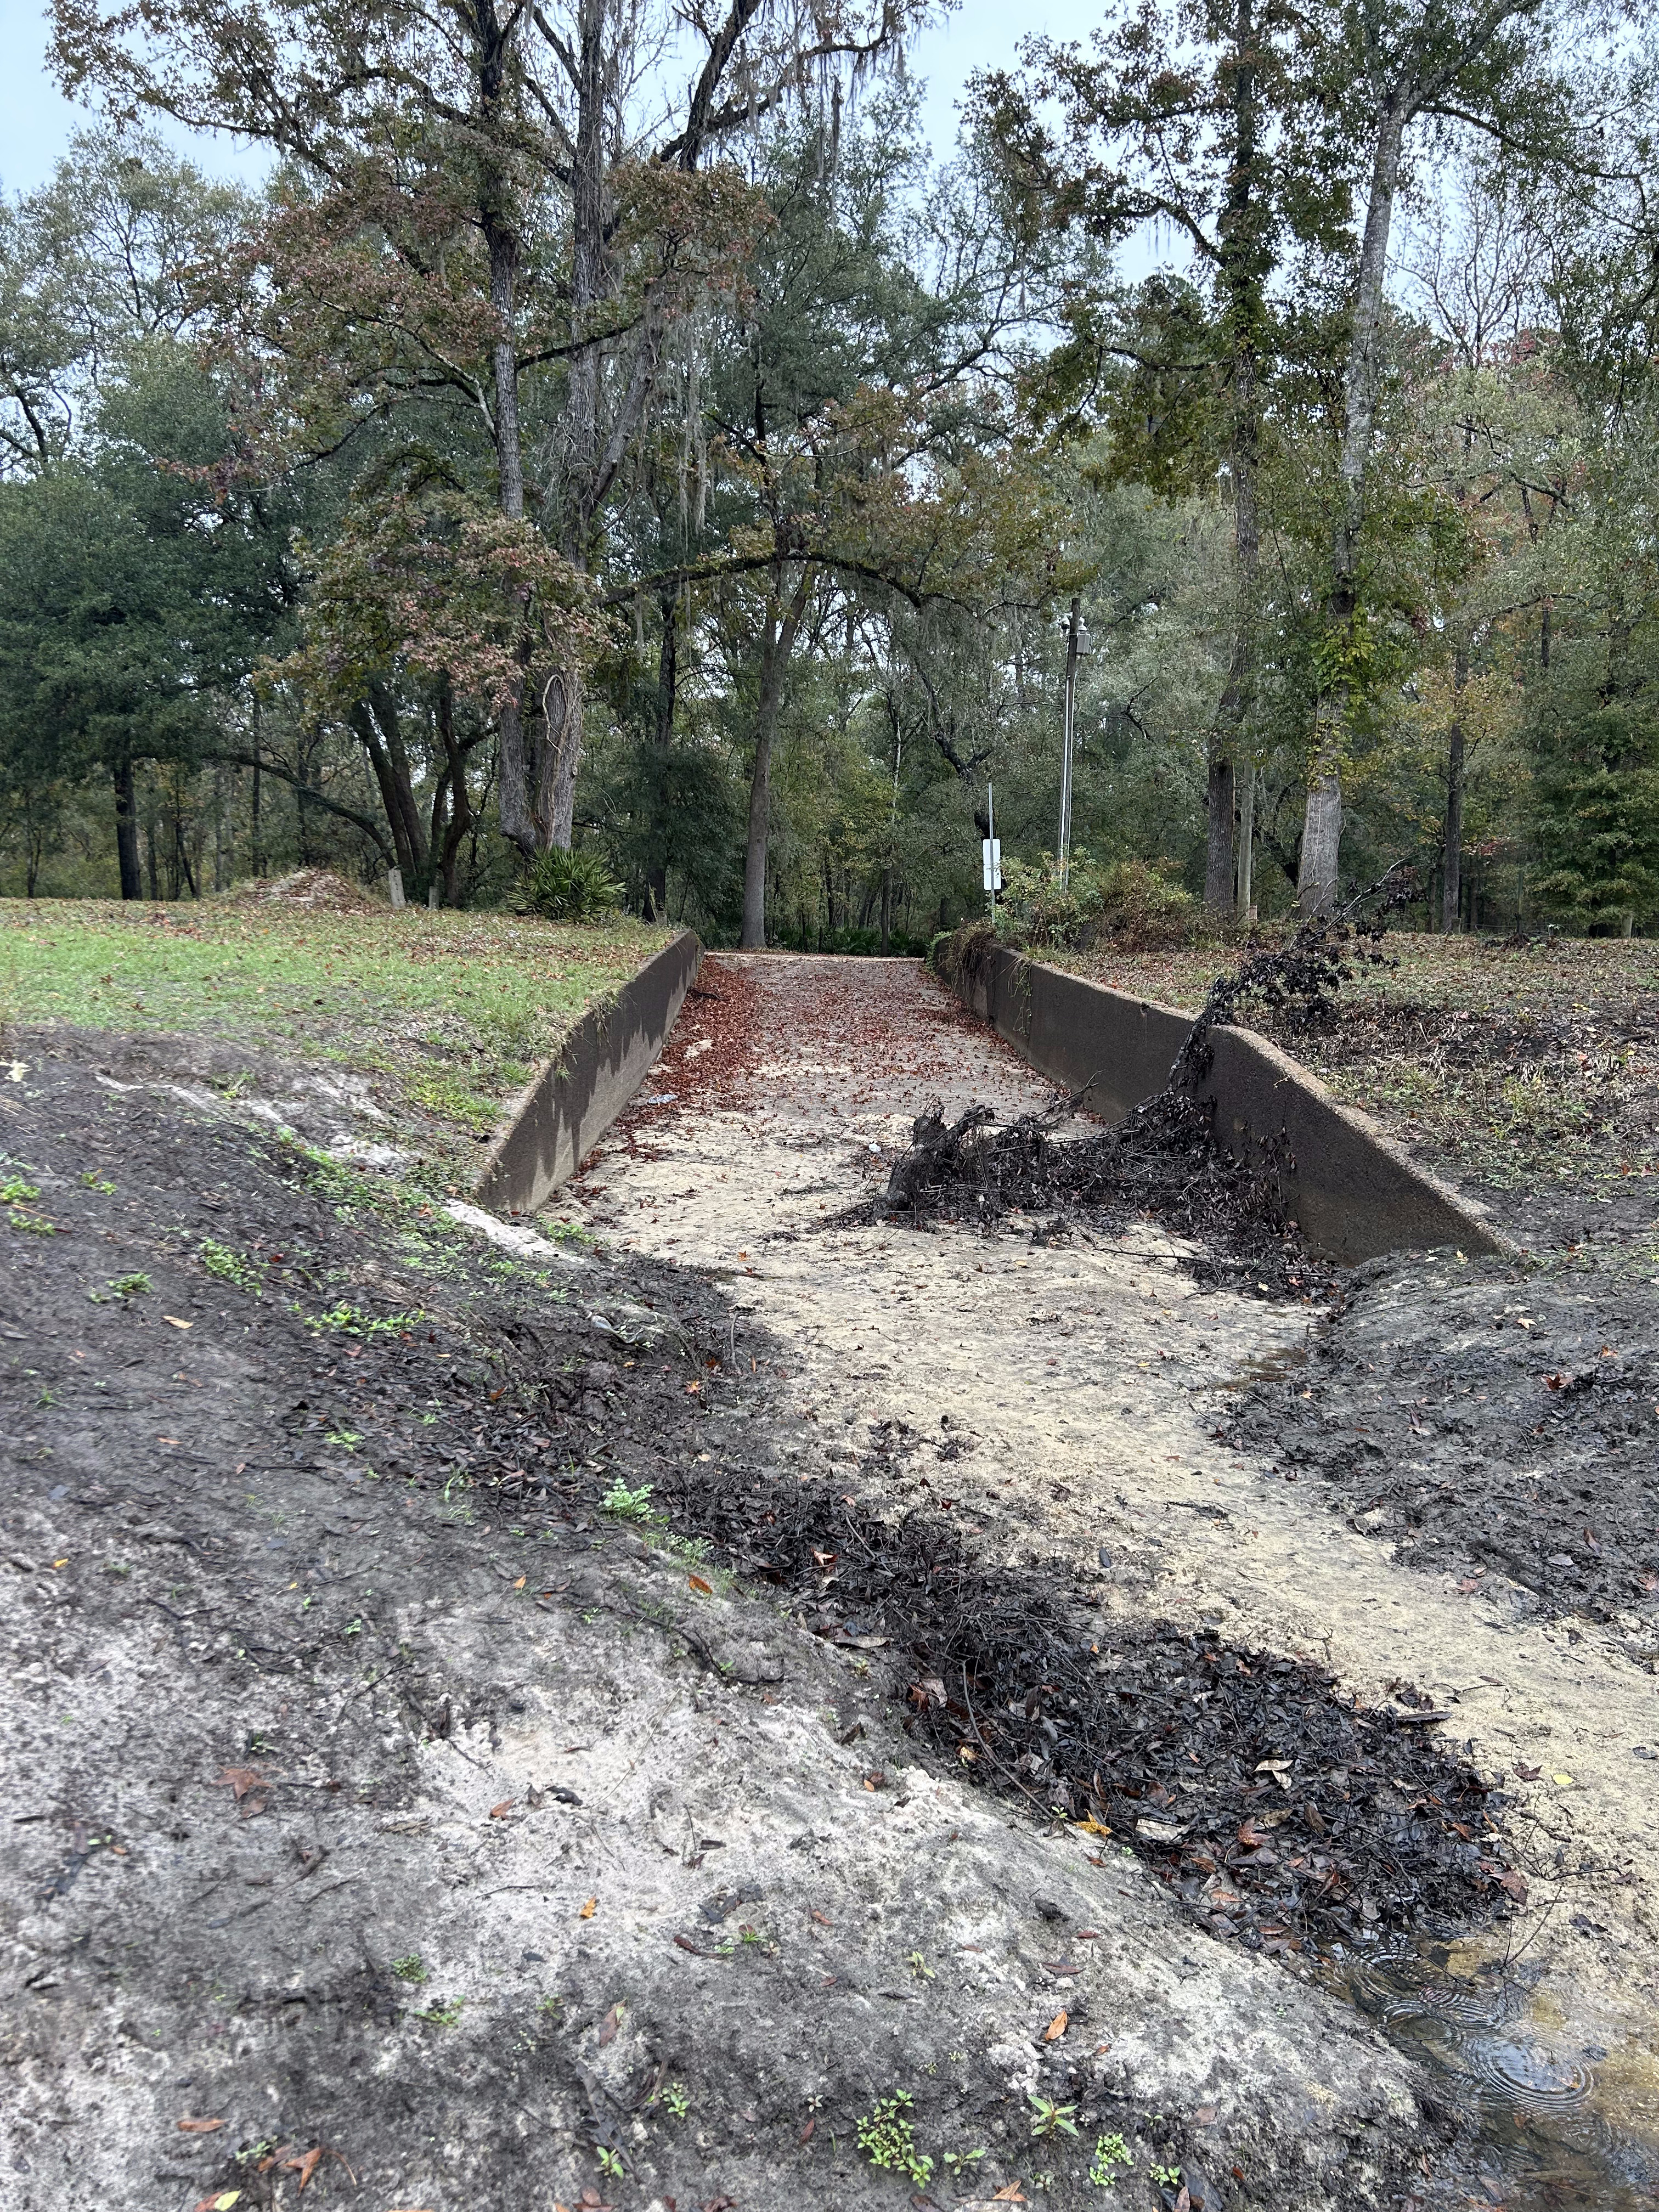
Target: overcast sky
{"points": [[36, 120]]}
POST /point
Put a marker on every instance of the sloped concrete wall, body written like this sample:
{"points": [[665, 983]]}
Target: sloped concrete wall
{"points": [[573, 1099], [1354, 1191]]}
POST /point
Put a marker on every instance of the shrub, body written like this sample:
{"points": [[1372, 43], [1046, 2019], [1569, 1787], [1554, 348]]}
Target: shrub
{"points": [[1132, 902], [573, 886], [1141, 908]]}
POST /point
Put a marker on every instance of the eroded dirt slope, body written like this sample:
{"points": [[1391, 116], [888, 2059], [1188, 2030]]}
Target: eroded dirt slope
{"points": [[387, 1817]]}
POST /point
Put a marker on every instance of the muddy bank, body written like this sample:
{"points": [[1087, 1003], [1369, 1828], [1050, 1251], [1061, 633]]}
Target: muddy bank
{"points": [[1487, 1421], [397, 1810]]}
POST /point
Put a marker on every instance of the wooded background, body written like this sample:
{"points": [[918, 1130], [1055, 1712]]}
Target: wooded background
{"points": [[613, 427]]}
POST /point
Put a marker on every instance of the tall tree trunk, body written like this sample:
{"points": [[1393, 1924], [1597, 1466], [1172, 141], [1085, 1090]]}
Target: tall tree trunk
{"points": [[668, 672], [778, 646], [256, 851], [501, 243], [1317, 883], [1453, 866], [378, 727], [446, 849], [126, 829], [1243, 271]]}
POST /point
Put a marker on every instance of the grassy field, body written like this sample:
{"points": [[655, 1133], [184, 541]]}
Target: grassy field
{"points": [[456, 1009], [1515, 1065]]}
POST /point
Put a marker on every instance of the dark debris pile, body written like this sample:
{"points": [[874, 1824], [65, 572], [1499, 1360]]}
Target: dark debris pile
{"points": [[1278, 1812], [1161, 1164]]}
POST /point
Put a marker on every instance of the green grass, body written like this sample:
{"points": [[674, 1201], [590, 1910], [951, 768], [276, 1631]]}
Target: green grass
{"points": [[458, 1008]]}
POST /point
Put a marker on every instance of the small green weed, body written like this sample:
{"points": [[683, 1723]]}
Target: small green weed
{"points": [[1167, 2177], [675, 2101], [610, 2165], [919, 1967], [960, 2161], [135, 1285], [93, 1180], [410, 1969], [351, 1320], [30, 1224], [445, 2013], [15, 1192], [1049, 2120], [1111, 2158], [887, 2138], [348, 1439], [229, 1266], [627, 1504]]}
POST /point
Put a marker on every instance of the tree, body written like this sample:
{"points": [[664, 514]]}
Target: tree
{"points": [[1479, 65], [474, 216], [1202, 120]]}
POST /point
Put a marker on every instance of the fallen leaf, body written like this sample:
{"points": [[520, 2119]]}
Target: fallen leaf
{"points": [[1528, 1773], [609, 2025], [220, 2202], [589, 1909], [806, 2135], [1010, 2193], [821, 1920], [1563, 1781], [1056, 2027], [703, 1589], [242, 1779], [198, 2127], [175, 1321], [499, 1812], [1516, 1884], [306, 2164], [522, 1580]]}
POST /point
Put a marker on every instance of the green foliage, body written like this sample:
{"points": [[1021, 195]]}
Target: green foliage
{"points": [[409, 1969], [573, 886], [1049, 2120], [1596, 820], [887, 2139], [1132, 903], [230, 1266], [1111, 2159], [627, 1504]]}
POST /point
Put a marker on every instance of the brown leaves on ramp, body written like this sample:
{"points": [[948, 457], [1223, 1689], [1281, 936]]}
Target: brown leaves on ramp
{"points": [[249, 1787], [199, 2127], [1057, 2027]]}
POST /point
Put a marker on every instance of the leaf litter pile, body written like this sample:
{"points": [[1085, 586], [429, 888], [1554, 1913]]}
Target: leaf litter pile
{"points": [[1163, 1163], [1280, 1812]]}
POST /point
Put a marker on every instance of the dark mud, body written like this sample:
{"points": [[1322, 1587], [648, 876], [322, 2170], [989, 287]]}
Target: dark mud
{"points": [[1278, 1812], [1487, 1420]]}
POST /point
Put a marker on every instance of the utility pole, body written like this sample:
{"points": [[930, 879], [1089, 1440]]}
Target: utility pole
{"points": [[1065, 840]]}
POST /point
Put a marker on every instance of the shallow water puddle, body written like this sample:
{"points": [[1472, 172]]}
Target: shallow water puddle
{"points": [[1566, 2109]]}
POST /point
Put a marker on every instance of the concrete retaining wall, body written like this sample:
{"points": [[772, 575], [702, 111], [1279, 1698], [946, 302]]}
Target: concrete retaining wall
{"points": [[1354, 1191], [573, 1099]]}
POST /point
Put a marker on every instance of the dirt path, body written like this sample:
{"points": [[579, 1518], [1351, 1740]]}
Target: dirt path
{"points": [[1077, 1390]]}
